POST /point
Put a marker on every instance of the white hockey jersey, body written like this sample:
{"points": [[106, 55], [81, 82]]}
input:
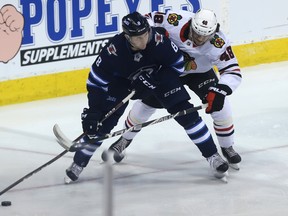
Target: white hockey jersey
{"points": [[215, 52]]}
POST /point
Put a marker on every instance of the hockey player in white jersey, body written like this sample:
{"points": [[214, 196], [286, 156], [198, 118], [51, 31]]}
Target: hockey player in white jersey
{"points": [[204, 45]]}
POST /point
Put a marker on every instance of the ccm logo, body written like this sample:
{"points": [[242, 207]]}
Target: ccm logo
{"points": [[172, 91], [145, 82], [206, 82]]}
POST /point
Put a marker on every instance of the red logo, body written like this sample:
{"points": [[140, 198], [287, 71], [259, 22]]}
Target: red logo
{"points": [[111, 50]]}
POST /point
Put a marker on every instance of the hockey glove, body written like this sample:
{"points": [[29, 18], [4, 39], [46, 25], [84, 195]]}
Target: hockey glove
{"points": [[216, 96], [143, 85], [90, 122]]}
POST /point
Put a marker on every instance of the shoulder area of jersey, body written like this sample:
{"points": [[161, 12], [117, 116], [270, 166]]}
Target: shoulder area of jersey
{"points": [[157, 37], [115, 44], [219, 40], [181, 12], [174, 18], [117, 38]]}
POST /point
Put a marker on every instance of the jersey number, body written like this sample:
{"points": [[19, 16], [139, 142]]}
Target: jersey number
{"points": [[227, 55], [98, 61], [174, 46]]}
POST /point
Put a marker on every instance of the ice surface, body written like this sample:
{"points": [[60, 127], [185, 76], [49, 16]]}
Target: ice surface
{"points": [[164, 173]]}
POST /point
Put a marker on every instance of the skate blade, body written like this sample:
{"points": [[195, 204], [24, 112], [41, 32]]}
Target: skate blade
{"points": [[67, 180], [222, 176], [234, 166]]}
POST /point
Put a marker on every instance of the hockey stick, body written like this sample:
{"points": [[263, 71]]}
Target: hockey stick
{"points": [[37, 170], [75, 146], [62, 139], [65, 151], [127, 98], [33, 172]]}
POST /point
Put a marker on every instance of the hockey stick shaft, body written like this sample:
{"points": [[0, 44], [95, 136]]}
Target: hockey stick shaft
{"points": [[127, 98], [37, 169], [78, 146], [33, 172], [65, 151], [152, 122], [66, 143]]}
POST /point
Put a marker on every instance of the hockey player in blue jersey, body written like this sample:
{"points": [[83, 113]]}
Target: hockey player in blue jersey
{"points": [[139, 58]]}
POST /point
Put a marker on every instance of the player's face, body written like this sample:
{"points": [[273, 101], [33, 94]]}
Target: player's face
{"points": [[199, 39], [139, 42]]}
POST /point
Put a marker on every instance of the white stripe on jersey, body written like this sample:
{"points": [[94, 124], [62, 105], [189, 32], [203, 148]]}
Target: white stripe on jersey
{"points": [[99, 80]]}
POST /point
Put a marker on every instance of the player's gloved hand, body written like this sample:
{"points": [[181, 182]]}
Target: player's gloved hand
{"points": [[90, 122], [143, 85], [216, 96]]}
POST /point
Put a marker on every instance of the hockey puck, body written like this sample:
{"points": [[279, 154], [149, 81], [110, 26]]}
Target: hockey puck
{"points": [[6, 203]]}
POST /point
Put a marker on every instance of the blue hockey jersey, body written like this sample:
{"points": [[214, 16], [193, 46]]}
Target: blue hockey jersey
{"points": [[117, 61]]}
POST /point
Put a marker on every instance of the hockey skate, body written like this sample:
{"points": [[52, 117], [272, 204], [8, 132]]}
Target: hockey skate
{"points": [[72, 172], [117, 149], [232, 157], [218, 166]]}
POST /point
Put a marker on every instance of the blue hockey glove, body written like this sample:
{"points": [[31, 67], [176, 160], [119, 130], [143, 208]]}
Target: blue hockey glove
{"points": [[90, 122], [216, 96]]}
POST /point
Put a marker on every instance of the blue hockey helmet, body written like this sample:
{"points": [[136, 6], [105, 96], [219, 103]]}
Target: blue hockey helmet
{"points": [[134, 24]]}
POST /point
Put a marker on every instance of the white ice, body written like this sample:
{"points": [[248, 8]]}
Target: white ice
{"points": [[164, 173]]}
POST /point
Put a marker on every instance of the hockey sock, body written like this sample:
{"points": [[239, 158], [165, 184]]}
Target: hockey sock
{"points": [[196, 129]]}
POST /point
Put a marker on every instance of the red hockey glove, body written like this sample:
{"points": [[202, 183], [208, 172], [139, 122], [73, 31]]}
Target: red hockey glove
{"points": [[216, 96]]}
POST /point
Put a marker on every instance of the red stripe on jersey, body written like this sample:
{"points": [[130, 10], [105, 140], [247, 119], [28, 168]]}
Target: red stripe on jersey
{"points": [[223, 129], [129, 123]]}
